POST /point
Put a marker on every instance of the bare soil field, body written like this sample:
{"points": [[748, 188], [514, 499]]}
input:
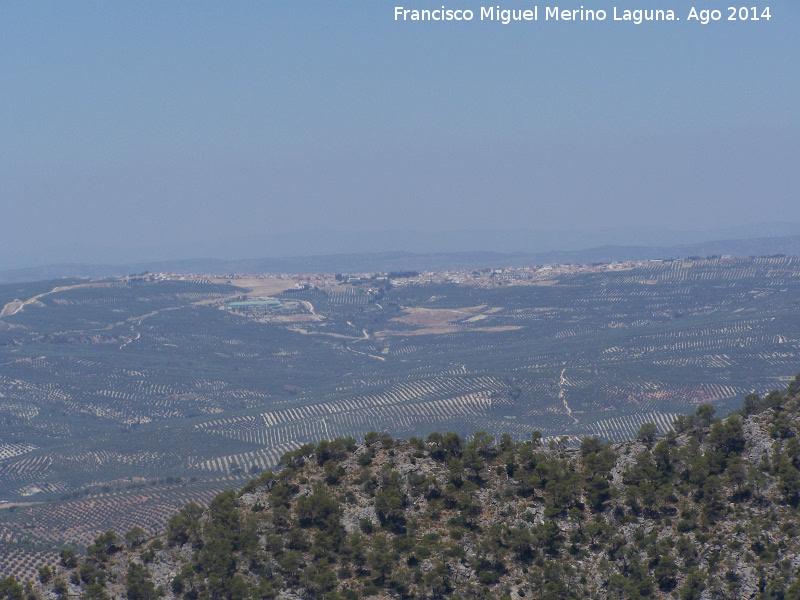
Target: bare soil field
{"points": [[448, 329], [259, 287], [299, 318], [437, 317]]}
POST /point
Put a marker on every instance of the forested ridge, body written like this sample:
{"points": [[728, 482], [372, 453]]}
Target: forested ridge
{"points": [[708, 511]]}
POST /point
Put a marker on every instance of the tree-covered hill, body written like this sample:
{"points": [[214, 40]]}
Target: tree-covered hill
{"points": [[708, 511]]}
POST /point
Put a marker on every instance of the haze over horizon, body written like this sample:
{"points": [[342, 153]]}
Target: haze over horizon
{"points": [[320, 243], [177, 130]]}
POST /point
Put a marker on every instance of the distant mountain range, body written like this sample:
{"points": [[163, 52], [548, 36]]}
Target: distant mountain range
{"points": [[400, 260]]}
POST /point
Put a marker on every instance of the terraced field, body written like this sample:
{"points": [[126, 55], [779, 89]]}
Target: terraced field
{"points": [[105, 385]]}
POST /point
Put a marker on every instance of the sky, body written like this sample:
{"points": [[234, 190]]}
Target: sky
{"points": [[159, 129]]}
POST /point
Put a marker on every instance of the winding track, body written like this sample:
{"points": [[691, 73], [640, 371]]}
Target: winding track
{"points": [[563, 396], [13, 307]]}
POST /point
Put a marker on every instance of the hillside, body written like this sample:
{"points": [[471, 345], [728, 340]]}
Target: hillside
{"points": [[109, 383], [708, 511], [122, 400]]}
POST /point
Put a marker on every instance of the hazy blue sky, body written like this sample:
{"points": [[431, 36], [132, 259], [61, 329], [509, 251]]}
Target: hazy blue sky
{"points": [[135, 124]]}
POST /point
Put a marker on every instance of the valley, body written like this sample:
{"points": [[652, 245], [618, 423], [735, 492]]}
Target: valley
{"points": [[177, 386]]}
